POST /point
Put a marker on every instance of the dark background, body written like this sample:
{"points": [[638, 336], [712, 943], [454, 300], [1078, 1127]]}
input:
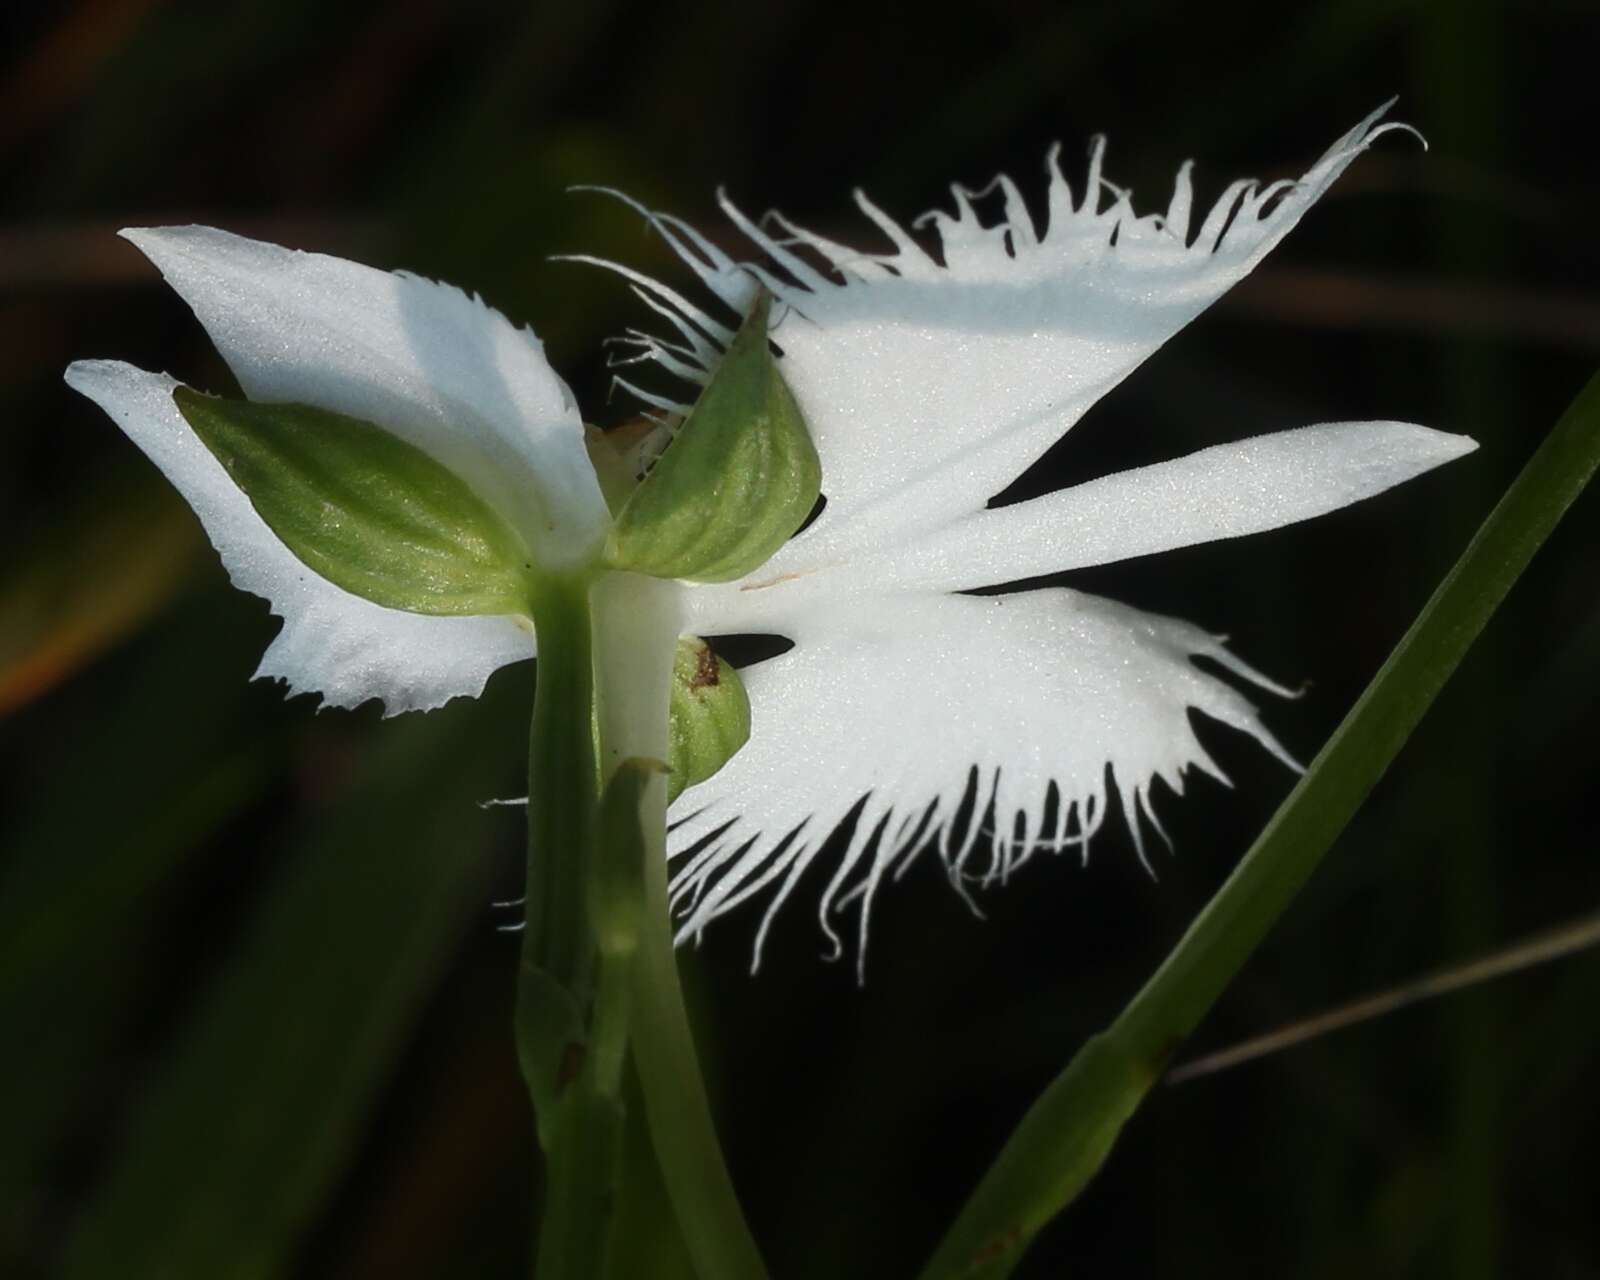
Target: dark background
{"points": [[252, 1001]]}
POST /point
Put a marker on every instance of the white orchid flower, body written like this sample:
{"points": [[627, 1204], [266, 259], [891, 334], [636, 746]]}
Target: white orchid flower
{"points": [[928, 383]]}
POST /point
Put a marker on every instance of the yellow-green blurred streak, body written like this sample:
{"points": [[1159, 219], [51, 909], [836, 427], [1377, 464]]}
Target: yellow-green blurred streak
{"points": [[95, 574]]}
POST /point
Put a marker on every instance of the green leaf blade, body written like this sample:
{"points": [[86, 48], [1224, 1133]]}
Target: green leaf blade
{"points": [[364, 509], [739, 479], [1068, 1132]]}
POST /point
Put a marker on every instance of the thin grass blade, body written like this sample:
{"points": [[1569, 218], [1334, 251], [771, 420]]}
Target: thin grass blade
{"points": [[1067, 1134]]}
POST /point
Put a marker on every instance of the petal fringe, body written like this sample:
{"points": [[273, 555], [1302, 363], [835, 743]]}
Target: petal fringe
{"points": [[931, 382], [985, 728]]}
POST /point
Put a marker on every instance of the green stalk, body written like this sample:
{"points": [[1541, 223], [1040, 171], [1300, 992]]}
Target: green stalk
{"points": [[579, 1127], [636, 633], [646, 1241], [563, 789], [599, 977], [676, 1105], [1066, 1135]]}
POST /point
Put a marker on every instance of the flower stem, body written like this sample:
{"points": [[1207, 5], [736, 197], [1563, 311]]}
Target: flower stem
{"points": [[599, 978], [1067, 1133], [676, 1105], [563, 789], [561, 1009], [638, 625]]}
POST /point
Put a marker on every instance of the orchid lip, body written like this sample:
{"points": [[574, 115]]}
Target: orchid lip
{"points": [[930, 382]]}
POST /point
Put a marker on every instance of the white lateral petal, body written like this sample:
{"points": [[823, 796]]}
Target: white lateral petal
{"points": [[893, 703], [439, 368], [333, 643], [1226, 491], [928, 388]]}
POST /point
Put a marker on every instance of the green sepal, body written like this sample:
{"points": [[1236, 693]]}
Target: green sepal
{"points": [[738, 479], [710, 715], [364, 509]]}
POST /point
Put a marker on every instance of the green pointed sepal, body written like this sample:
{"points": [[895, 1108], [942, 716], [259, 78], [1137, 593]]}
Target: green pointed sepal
{"points": [[710, 715], [364, 509], [738, 479]]}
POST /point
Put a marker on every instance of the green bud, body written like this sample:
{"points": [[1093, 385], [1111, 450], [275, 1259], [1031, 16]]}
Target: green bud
{"points": [[710, 714], [738, 479], [364, 509]]}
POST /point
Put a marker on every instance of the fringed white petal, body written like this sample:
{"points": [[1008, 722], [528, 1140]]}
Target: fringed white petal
{"points": [[439, 368], [333, 643], [1226, 491], [930, 385], [894, 704]]}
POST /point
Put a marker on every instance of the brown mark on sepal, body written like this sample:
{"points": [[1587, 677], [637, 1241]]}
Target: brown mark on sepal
{"points": [[706, 675]]}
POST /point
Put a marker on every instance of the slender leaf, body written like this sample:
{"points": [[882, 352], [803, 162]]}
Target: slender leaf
{"points": [[1066, 1135]]}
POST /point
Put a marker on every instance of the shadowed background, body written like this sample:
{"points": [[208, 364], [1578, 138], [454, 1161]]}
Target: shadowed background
{"points": [[254, 1004]]}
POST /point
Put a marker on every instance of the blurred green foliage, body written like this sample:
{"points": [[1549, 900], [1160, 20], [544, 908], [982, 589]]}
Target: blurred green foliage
{"points": [[253, 999]]}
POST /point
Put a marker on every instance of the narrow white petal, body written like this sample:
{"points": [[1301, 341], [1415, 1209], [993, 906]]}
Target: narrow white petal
{"points": [[929, 387], [432, 364], [333, 643], [1226, 491], [892, 704]]}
